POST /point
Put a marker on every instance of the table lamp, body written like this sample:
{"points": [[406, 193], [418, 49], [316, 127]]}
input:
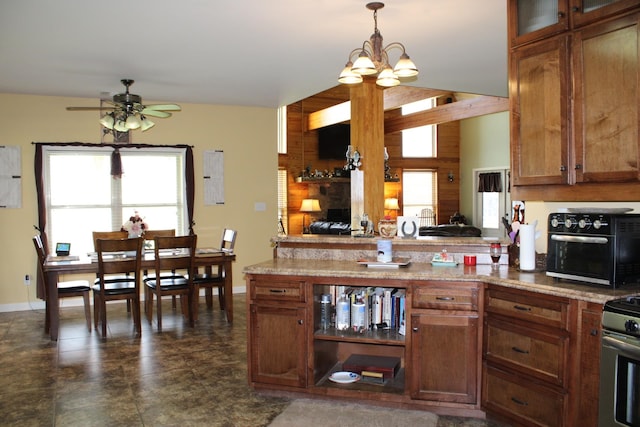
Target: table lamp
{"points": [[391, 204], [308, 205]]}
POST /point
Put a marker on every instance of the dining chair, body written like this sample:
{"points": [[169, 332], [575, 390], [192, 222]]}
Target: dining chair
{"points": [[117, 257], [210, 279], [149, 237], [107, 235], [68, 289], [172, 254]]}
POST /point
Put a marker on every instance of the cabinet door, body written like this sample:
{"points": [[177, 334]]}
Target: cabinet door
{"points": [[586, 11], [538, 91], [589, 376], [531, 20], [278, 345], [606, 101], [444, 357]]}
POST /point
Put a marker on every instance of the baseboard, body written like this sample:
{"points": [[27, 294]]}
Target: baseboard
{"points": [[77, 302]]}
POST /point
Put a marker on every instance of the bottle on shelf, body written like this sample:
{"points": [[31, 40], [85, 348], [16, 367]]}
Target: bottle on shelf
{"points": [[325, 312], [358, 317], [342, 313]]}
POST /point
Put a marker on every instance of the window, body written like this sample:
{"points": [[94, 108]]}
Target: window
{"points": [[418, 191], [492, 201], [419, 141], [82, 196]]}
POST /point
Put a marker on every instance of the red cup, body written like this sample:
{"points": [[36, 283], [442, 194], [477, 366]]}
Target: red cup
{"points": [[469, 260]]}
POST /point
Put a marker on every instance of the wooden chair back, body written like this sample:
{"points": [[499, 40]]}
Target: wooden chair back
{"points": [[228, 240], [183, 258], [107, 235], [150, 235], [111, 259]]}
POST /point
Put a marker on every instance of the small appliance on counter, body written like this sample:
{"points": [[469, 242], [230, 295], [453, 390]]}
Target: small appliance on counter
{"points": [[599, 247]]}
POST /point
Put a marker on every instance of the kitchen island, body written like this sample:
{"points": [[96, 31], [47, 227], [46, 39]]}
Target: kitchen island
{"points": [[519, 346]]}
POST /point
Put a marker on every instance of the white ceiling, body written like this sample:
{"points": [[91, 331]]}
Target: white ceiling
{"points": [[240, 52]]}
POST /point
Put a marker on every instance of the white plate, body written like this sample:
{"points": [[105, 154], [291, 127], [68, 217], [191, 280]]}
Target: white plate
{"points": [[344, 377], [600, 210]]}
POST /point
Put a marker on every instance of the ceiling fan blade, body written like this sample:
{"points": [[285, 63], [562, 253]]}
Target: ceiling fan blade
{"points": [[153, 113], [88, 108], [164, 107]]}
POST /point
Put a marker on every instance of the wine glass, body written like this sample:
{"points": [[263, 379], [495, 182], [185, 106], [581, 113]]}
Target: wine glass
{"points": [[495, 251]]}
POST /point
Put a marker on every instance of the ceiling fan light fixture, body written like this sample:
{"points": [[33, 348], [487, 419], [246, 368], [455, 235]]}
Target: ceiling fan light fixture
{"points": [[107, 121], [146, 123], [121, 126], [133, 122]]}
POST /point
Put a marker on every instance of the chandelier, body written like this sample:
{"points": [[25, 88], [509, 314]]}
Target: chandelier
{"points": [[373, 59]]}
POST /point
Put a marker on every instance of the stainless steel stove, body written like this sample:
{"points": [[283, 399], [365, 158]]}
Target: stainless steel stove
{"points": [[620, 363]]}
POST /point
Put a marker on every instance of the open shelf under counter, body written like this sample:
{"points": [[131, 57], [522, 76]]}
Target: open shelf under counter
{"points": [[394, 385], [375, 336]]}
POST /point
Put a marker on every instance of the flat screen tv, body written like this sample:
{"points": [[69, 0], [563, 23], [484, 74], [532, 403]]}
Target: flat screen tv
{"points": [[333, 141]]}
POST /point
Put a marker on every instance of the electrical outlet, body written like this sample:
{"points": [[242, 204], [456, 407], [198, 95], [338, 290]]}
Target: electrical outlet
{"points": [[27, 280]]}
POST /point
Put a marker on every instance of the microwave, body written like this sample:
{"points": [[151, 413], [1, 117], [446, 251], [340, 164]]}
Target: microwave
{"points": [[592, 247]]}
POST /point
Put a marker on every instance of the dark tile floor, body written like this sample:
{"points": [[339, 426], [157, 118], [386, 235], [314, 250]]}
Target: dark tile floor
{"points": [[180, 377]]}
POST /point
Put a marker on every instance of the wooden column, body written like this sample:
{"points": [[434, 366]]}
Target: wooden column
{"points": [[367, 136]]}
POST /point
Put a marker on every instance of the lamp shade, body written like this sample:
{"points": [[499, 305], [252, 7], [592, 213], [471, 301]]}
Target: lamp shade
{"points": [[310, 205], [391, 204]]}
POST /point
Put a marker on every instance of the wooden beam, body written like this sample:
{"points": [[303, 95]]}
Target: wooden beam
{"points": [[394, 97], [465, 109]]}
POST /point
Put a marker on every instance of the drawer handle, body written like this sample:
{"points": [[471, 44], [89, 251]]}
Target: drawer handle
{"points": [[277, 291], [519, 350], [445, 298], [522, 308], [519, 402]]}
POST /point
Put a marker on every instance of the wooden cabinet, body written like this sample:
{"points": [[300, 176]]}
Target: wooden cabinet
{"points": [[526, 357], [277, 332], [574, 94], [444, 343], [588, 376], [531, 20]]}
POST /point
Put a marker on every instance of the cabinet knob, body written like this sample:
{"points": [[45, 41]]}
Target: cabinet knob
{"points": [[563, 168], [300, 322], [575, 9], [560, 15], [414, 329], [578, 166], [594, 332]]}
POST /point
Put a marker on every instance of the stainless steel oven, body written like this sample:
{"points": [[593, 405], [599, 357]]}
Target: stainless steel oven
{"points": [[619, 403], [597, 248]]}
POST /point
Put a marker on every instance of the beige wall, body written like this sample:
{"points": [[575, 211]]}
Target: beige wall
{"points": [[247, 136]]}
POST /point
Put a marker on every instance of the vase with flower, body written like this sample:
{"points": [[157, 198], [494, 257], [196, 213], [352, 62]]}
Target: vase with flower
{"points": [[135, 226]]}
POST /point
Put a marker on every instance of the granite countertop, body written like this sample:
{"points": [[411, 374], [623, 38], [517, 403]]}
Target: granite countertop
{"points": [[504, 276]]}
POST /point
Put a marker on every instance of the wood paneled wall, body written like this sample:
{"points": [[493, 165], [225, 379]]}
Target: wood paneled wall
{"points": [[303, 152]]}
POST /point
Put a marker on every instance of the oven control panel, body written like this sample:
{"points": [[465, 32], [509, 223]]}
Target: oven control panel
{"points": [[580, 223]]}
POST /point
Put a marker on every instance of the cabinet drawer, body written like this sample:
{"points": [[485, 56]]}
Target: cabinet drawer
{"points": [[530, 307], [535, 353], [446, 298], [522, 400], [293, 291]]}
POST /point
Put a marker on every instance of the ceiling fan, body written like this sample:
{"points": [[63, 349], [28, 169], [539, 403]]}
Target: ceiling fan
{"points": [[127, 111]]}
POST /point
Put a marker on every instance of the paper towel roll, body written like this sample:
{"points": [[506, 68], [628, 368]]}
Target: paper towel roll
{"points": [[527, 247]]}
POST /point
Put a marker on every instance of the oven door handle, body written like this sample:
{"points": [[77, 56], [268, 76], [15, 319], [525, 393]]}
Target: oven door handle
{"points": [[579, 239], [630, 349]]}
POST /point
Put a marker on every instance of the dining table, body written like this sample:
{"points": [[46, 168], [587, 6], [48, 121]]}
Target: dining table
{"points": [[55, 266]]}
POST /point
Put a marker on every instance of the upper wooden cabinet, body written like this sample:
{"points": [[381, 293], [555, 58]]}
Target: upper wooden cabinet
{"points": [[531, 20], [574, 104]]}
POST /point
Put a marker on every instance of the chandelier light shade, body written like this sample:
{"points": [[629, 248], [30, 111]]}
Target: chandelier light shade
{"points": [[372, 59]]}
